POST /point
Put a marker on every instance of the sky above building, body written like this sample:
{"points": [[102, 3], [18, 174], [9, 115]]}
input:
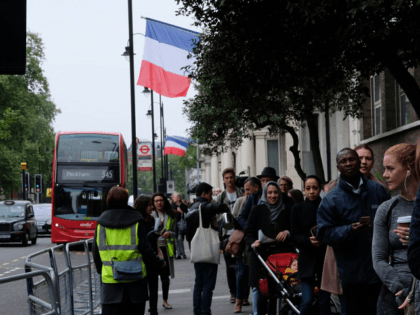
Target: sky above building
{"points": [[89, 79]]}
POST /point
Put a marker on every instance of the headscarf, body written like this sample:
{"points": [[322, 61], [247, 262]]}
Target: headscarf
{"points": [[278, 206]]}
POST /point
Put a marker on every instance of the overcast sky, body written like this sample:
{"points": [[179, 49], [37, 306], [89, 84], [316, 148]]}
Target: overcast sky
{"points": [[89, 79]]}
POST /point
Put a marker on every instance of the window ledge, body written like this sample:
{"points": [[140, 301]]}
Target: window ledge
{"points": [[392, 132]]}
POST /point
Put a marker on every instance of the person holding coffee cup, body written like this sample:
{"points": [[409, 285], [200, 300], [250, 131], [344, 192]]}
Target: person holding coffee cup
{"points": [[390, 231]]}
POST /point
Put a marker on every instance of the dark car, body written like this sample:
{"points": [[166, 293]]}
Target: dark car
{"points": [[17, 222], [43, 217]]}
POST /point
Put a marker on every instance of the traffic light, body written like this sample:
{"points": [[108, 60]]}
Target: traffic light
{"points": [[27, 182], [38, 183]]}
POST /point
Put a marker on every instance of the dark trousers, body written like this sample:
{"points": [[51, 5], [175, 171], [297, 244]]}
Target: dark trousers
{"points": [[308, 295], [361, 299], [205, 282], [242, 288], [230, 272], [123, 308], [153, 279]]}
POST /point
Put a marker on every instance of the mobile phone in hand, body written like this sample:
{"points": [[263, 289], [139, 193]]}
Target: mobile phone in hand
{"points": [[365, 220], [314, 230]]}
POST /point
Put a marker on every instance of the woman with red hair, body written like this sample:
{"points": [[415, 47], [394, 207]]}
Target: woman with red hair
{"points": [[389, 247]]}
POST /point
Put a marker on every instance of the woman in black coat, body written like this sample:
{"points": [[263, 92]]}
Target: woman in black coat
{"points": [[311, 252], [272, 217]]}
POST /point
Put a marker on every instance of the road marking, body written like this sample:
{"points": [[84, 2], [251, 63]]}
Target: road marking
{"points": [[220, 297], [177, 291], [15, 260], [23, 257], [5, 264]]}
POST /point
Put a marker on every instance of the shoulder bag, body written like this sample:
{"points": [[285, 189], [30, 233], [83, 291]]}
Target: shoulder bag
{"points": [[182, 226], [236, 243], [410, 308], [125, 270], [205, 245]]}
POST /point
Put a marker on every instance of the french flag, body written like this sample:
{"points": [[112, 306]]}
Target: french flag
{"points": [[176, 145], [166, 51]]}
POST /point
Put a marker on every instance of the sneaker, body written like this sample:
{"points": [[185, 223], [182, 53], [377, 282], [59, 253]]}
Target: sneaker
{"points": [[184, 256], [178, 257], [246, 303], [232, 298]]}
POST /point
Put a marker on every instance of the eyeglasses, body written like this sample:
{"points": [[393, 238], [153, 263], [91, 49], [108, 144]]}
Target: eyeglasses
{"points": [[159, 200]]}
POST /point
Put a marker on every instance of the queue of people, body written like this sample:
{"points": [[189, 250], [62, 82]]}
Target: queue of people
{"points": [[355, 241]]}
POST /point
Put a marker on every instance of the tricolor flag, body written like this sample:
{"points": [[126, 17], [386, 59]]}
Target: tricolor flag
{"points": [[165, 53], [176, 145]]}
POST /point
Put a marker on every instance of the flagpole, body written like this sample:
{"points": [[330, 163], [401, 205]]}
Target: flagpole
{"points": [[161, 134], [133, 102], [153, 145]]}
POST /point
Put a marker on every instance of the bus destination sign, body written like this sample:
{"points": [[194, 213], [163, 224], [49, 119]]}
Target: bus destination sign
{"points": [[88, 174]]}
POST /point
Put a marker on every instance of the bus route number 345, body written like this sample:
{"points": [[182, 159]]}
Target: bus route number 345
{"points": [[109, 174]]}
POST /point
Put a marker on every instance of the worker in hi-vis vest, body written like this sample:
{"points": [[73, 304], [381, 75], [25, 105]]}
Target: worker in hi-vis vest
{"points": [[166, 245], [121, 236]]}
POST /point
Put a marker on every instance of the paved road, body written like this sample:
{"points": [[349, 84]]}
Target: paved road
{"points": [[13, 297], [180, 294]]}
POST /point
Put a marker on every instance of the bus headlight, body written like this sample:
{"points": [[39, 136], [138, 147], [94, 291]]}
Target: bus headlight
{"points": [[18, 226]]}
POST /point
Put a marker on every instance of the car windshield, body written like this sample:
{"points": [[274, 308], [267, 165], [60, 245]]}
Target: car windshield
{"points": [[79, 203], [42, 210], [12, 211]]}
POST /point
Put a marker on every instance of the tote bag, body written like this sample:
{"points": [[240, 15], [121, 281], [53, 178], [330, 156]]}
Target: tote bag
{"points": [[205, 245]]}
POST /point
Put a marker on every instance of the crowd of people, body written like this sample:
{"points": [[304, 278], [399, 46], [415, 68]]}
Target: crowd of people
{"points": [[353, 240]]}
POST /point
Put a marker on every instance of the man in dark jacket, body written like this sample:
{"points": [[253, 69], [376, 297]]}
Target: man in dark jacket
{"points": [[119, 297], [205, 273], [339, 225], [181, 210]]}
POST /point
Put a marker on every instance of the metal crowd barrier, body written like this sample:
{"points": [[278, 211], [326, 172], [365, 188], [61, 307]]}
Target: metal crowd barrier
{"points": [[86, 283], [46, 308], [76, 288]]}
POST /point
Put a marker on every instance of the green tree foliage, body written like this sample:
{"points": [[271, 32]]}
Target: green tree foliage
{"points": [[26, 115], [258, 41], [177, 165], [254, 70]]}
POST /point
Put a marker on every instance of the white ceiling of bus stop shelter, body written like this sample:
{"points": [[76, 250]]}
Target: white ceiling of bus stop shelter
{"points": [[89, 79]]}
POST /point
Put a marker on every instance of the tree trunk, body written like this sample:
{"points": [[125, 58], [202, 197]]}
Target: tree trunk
{"points": [[295, 150], [404, 79], [314, 140]]}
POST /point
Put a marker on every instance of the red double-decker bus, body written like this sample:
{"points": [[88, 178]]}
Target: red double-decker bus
{"points": [[86, 165]]}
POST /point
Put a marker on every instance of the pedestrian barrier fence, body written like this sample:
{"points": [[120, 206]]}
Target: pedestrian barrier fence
{"points": [[58, 286]]}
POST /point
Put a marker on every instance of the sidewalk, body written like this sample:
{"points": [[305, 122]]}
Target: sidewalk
{"points": [[181, 291]]}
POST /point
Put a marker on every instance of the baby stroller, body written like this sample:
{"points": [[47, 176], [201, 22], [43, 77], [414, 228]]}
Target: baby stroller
{"points": [[288, 298]]}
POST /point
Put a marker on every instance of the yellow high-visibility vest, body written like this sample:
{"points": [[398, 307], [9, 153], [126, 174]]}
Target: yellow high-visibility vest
{"points": [[121, 243]]}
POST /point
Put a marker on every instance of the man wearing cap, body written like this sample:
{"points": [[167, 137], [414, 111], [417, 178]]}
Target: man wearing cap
{"points": [[268, 174]]}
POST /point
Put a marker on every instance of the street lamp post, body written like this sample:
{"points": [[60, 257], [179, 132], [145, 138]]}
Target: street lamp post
{"points": [[151, 115], [133, 107]]}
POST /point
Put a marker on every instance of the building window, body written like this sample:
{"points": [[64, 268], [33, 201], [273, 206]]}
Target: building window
{"points": [[404, 108], [273, 154], [375, 83]]}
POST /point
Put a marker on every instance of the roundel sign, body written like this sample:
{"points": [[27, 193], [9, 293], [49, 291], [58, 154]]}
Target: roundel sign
{"points": [[144, 149]]}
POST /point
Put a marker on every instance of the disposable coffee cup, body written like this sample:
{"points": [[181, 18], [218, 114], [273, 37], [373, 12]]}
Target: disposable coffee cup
{"points": [[404, 221]]}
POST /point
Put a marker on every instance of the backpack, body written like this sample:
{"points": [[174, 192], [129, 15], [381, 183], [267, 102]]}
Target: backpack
{"points": [[236, 243]]}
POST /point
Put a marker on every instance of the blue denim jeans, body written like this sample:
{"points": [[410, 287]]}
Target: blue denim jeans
{"points": [[308, 296], [179, 243], [205, 281], [241, 279], [255, 296]]}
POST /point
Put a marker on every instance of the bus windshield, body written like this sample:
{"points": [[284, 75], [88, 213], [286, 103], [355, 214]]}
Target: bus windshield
{"points": [[79, 203], [88, 148]]}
